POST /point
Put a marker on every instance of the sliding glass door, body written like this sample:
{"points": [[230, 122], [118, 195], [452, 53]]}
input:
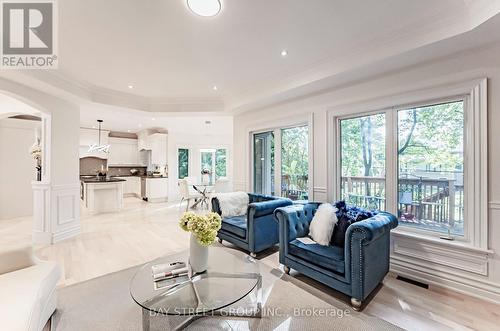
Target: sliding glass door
{"points": [[281, 162], [263, 167]]}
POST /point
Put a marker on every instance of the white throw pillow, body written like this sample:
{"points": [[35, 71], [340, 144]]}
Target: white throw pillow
{"points": [[233, 204], [322, 224]]}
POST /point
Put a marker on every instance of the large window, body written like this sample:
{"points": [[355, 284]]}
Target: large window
{"points": [[295, 163], [431, 167], [183, 162], [426, 145], [362, 152], [214, 161]]}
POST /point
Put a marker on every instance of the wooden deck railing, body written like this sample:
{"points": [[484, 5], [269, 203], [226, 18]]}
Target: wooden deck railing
{"points": [[438, 200]]}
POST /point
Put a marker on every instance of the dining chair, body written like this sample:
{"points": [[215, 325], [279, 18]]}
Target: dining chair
{"points": [[186, 193]]}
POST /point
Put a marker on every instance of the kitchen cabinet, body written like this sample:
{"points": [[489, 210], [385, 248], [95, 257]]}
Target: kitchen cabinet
{"points": [[156, 189], [158, 143], [123, 151], [131, 186]]}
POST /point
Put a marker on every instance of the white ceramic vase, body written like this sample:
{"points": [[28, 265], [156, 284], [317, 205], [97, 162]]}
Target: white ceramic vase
{"points": [[198, 255]]}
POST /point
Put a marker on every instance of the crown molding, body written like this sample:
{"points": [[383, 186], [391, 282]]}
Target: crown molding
{"points": [[57, 83]]}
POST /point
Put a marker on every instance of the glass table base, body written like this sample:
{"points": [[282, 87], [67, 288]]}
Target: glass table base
{"points": [[254, 313]]}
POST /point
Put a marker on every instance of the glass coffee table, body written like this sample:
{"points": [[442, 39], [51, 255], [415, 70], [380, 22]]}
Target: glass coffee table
{"points": [[230, 277]]}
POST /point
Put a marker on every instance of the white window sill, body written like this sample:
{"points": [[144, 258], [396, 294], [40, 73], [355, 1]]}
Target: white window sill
{"points": [[457, 244]]}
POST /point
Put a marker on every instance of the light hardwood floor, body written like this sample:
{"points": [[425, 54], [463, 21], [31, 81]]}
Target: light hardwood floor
{"points": [[143, 231]]}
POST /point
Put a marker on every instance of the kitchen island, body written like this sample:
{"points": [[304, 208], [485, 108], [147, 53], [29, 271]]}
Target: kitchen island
{"points": [[102, 195]]}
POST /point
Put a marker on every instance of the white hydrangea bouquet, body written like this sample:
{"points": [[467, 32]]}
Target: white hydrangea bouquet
{"points": [[203, 230], [203, 227]]}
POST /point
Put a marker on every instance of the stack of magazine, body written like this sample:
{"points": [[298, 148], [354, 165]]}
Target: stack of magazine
{"points": [[167, 275]]}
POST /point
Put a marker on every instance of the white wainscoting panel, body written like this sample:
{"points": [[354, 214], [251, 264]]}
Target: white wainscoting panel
{"points": [[426, 252], [41, 213], [65, 220]]}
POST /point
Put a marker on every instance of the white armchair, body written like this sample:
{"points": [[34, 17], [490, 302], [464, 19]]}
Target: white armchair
{"points": [[28, 290]]}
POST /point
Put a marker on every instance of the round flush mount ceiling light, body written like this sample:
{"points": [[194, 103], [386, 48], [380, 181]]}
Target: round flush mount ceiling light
{"points": [[206, 8]]}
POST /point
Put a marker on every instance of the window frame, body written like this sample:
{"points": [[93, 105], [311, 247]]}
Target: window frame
{"points": [[213, 151], [338, 149], [284, 123], [474, 96]]}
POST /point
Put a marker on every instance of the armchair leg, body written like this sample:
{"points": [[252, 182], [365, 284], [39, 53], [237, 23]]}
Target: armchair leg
{"points": [[286, 269], [252, 254], [356, 304], [219, 240]]}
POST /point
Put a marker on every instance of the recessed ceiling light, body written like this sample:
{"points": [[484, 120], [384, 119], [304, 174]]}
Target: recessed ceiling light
{"points": [[214, 88], [206, 8], [93, 127], [153, 119], [130, 86], [284, 53], [128, 131]]}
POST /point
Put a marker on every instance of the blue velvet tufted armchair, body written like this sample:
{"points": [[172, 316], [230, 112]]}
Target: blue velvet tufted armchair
{"points": [[258, 229], [355, 269]]}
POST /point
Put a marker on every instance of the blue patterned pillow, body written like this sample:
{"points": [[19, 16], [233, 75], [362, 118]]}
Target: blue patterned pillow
{"points": [[347, 215]]}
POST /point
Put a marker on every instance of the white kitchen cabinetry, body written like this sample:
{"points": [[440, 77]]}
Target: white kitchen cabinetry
{"points": [[123, 151], [158, 143], [131, 186], [156, 189], [143, 140]]}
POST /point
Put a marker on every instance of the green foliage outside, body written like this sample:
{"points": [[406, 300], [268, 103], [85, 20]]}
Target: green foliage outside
{"points": [[220, 163], [429, 138], [294, 151], [183, 162]]}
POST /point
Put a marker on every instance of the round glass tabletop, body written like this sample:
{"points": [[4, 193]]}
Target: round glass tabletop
{"points": [[229, 278]]}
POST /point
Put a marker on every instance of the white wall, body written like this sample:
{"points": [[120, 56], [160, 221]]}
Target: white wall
{"points": [[56, 198], [17, 167], [381, 92]]}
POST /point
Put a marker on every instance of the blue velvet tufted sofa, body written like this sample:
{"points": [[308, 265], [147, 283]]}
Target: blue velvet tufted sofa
{"points": [[258, 229], [355, 269]]}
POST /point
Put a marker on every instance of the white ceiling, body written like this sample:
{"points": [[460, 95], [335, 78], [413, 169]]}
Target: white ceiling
{"points": [[173, 58]]}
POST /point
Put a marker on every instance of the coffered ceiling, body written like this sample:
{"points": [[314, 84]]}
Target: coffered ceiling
{"points": [[156, 55]]}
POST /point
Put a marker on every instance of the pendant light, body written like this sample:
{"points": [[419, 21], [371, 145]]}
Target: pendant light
{"points": [[98, 147]]}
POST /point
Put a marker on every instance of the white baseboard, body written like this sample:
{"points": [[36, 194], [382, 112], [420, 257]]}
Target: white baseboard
{"points": [[481, 289], [41, 238], [66, 233]]}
